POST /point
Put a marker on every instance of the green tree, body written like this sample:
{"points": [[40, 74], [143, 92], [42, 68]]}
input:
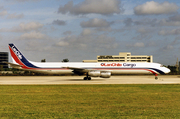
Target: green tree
{"points": [[65, 60], [43, 60], [1, 68], [173, 69]]}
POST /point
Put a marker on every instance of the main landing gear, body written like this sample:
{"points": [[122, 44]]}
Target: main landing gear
{"points": [[87, 77], [156, 77]]}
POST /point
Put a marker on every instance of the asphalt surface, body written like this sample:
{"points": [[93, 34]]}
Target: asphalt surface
{"points": [[43, 80]]}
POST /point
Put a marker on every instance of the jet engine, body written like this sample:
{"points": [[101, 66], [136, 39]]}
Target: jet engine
{"points": [[96, 73], [105, 74]]}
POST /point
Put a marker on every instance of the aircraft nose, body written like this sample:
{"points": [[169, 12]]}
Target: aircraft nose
{"points": [[167, 70]]}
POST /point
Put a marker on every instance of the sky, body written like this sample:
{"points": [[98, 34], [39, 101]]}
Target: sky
{"points": [[82, 29]]}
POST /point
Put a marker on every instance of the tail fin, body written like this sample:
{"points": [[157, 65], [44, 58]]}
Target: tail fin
{"points": [[18, 57]]}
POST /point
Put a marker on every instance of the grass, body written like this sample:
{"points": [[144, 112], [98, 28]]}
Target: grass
{"points": [[90, 101]]}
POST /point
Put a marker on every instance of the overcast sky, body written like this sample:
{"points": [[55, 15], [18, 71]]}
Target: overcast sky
{"points": [[82, 29]]}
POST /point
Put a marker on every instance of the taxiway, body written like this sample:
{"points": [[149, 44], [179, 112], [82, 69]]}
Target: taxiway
{"points": [[49, 80]]}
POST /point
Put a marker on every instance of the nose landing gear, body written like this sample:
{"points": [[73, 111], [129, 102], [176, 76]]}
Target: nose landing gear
{"points": [[156, 76]]}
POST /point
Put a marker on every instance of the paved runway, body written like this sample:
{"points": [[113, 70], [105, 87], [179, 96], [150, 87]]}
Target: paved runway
{"points": [[36, 80]]}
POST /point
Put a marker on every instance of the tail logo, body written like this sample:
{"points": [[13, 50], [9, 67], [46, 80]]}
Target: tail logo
{"points": [[17, 52]]}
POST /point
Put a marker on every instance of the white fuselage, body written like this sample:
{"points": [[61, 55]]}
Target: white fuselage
{"points": [[114, 68]]}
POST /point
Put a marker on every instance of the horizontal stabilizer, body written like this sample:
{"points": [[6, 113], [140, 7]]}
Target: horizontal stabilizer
{"points": [[13, 65]]}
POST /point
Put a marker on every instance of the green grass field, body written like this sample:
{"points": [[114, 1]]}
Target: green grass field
{"points": [[90, 101]]}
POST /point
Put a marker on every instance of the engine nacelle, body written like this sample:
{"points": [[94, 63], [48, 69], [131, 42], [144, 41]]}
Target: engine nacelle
{"points": [[105, 74], [94, 73]]}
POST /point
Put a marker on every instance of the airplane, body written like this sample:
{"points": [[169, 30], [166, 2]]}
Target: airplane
{"points": [[99, 69]]}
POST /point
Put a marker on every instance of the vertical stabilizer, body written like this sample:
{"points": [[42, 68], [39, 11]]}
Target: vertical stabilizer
{"points": [[18, 57]]}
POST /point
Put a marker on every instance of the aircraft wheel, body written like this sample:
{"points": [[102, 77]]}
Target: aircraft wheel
{"points": [[89, 78], [156, 78], [85, 78]]}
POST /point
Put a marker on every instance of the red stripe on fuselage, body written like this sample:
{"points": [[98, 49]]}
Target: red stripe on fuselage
{"points": [[96, 69]]}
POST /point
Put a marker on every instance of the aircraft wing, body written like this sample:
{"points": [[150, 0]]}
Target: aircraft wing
{"points": [[77, 69], [13, 65], [80, 69], [90, 72]]}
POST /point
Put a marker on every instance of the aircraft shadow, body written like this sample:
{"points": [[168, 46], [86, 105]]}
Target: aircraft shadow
{"points": [[84, 80], [78, 80]]}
